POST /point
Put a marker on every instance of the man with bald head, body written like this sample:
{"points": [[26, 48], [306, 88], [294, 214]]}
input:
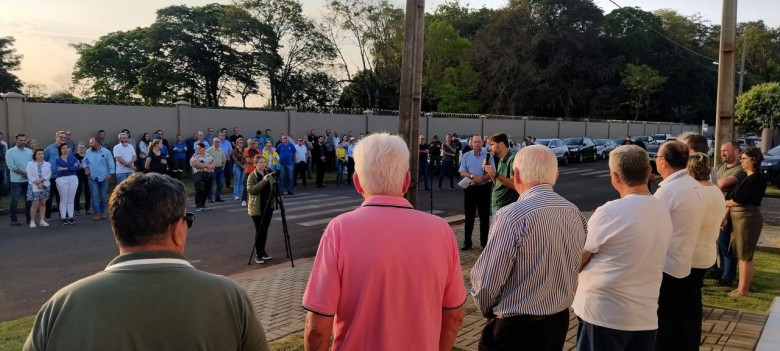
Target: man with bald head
{"points": [[681, 196]]}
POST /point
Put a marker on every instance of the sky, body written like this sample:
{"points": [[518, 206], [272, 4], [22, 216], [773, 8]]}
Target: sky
{"points": [[44, 28]]}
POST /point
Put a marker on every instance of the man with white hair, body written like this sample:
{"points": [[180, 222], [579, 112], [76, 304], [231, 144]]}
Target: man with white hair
{"points": [[623, 260], [523, 281], [368, 285]]}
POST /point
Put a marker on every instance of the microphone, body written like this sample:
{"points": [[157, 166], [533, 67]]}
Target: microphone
{"points": [[487, 158]]}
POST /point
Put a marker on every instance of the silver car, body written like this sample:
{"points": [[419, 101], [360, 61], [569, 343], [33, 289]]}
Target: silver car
{"points": [[604, 147], [558, 147]]}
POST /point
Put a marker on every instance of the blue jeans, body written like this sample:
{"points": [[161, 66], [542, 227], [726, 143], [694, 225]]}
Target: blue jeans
{"points": [[594, 337], [99, 191], [120, 177], [238, 180], [340, 168], [728, 262], [217, 176], [287, 177], [19, 189], [422, 174]]}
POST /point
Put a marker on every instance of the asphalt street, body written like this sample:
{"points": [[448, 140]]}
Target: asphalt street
{"points": [[35, 263]]}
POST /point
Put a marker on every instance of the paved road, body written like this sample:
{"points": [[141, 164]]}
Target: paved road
{"points": [[36, 263]]}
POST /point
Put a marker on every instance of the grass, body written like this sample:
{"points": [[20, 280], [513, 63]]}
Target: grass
{"points": [[14, 333], [765, 287]]}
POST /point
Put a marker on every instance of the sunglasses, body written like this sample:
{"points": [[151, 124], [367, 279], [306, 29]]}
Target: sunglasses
{"points": [[189, 217]]}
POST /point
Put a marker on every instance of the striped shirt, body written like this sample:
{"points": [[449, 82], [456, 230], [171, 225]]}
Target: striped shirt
{"points": [[532, 258]]}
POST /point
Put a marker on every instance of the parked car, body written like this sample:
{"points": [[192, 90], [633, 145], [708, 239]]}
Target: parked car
{"points": [[647, 140], [749, 142], [660, 138], [604, 147], [581, 148], [557, 146], [770, 166], [652, 151]]}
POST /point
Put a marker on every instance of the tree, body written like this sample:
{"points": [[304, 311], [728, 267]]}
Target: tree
{"points": [[759, 108], [9, 61], [300, 48], [112, 65], [641, 81], [442, 48]]}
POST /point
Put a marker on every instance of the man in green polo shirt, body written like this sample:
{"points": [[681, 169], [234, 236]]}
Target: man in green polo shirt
{"points": [[504, 188], [149, 297]]}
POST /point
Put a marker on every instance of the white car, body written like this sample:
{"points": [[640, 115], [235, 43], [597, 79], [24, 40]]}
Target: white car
{"points": [[558, 147]]}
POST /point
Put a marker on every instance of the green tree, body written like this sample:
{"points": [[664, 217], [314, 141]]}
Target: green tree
{"points": [[111, 66], [458, 90], [443, 48], [9, 61], [641, 81], [296, 46], [759, 108]]}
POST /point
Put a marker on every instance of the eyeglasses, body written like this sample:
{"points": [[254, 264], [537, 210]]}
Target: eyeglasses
{"points": [[68, 134], [189, 217]]}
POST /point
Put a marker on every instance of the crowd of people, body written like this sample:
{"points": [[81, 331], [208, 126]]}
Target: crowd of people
{"points": [[633, 281]]}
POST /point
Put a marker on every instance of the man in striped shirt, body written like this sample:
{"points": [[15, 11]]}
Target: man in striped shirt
{"points": [[524, 279]]}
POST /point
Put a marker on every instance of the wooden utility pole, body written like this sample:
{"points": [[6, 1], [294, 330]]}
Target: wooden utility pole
{"points": [[411, 88], [724, 120]]}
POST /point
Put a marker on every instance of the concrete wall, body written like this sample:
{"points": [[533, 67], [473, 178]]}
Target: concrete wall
{"points": [[41, 120]]}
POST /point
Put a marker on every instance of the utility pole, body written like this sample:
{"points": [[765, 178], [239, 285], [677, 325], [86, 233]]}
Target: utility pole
{"points": [[724, 119], [411, 89]]}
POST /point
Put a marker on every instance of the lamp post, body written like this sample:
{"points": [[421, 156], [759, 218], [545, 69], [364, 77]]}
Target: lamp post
{"points": [[525, 132], [586, 127], [428, 116], [289, 110], [559, 127], [366, 113], [482, 128]]}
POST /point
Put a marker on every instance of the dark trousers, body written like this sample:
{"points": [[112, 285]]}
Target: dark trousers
{"points": [[53, 193], [261, 229], [177, 171], [596, 338], [300, 172], [202, 186], [679, 315], [447, 170], [228, 172], [350, 169], [244, 193], [217, 180], [728, 261], [541, 333], [477, 199], [19, 191], [320, 171], [83, 186], [422, 174]]}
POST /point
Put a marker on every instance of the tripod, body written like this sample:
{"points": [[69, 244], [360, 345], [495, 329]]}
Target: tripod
{"points": [[277, 194]]}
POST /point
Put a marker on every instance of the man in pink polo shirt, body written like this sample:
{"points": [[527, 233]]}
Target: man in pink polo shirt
{"points": [[386, 276]]}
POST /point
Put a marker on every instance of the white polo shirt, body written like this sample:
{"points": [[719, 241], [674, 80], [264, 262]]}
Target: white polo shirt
{"points": [[679, 195], [126, 153], [618, 288], [714, 210]]}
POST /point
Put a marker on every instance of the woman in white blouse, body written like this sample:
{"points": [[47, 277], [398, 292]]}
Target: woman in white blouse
{"points": [[38, 175]]}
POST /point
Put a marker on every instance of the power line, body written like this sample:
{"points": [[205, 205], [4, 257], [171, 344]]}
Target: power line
{"points": [[662, 35]]}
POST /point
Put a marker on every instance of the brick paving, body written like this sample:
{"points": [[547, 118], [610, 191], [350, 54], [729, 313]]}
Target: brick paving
{"points": [[276, 294]]}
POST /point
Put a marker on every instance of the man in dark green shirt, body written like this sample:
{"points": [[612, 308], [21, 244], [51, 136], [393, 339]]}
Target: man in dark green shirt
{"points": [[149, 297], [504, 188]]}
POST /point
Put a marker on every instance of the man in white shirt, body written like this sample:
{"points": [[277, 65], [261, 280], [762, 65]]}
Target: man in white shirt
{"points": [[124, 154], [678, 192], [622, 261], [301, 162]]}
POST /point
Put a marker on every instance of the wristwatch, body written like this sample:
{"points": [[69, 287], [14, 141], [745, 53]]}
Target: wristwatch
{"points": [[471, 176]]}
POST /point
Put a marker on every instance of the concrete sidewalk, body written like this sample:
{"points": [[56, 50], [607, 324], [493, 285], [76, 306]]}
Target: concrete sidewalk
{"points": [[276, 293]]}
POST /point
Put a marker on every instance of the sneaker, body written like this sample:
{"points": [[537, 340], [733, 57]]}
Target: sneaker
{"points": [[259, 260], [207, 208], [65, 221], [265, 256], [289, 192], [32, 224], [15, 224], [236, 198], [96, 218], [88, 213], [78, 213], [199, 209], [243, 203], [71, 221], [43, 224]]}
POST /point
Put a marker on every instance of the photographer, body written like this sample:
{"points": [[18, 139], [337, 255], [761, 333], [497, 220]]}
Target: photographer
{"points": [[261, 186]]}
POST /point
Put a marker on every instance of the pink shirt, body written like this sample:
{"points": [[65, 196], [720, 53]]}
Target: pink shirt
{"points": [[386, 271]]}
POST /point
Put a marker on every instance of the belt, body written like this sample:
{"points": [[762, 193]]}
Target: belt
{"points": [[532, 318]]}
